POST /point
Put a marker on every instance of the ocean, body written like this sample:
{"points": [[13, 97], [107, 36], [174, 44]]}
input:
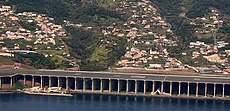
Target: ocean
{"points": [[94, 102]]}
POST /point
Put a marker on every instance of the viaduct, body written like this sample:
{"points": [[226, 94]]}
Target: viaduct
{"points": [[205, 86]]}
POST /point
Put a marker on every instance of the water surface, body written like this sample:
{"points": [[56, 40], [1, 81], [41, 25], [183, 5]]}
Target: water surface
{"points": [[87, 102]]}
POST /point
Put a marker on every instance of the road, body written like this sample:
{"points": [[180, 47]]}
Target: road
{"points": [[121, 76]]}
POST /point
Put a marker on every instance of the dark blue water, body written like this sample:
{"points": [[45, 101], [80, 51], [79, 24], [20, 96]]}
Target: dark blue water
{"points": [[86, 102]]}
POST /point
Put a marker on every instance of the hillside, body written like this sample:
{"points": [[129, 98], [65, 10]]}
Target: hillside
{"points": [[102, 34], [195, 20]]}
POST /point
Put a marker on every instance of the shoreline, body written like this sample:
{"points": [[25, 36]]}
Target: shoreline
{"points": [[155, 96], [133, 95]]}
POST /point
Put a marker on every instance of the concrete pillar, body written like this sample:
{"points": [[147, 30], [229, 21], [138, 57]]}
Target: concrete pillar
{"points": [[153, 87], [32, 81], [110, 85], [188, 89], [127, 86], [223, 90], [170, 92], [214, 90], [83, 79], [50, 84], [41, 85], [162, 87], [92, 84], [24, 81], [11, 81], [67, 83], [75, 83], [205, 90], [135, 86], [101, 85], [58, 81], [179, 89], [144, 87], [118, 85], [0, 82], [197, 89]]}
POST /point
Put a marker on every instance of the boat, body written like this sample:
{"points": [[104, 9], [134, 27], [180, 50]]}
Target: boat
{"points": [[39, 91], [158, 92]]}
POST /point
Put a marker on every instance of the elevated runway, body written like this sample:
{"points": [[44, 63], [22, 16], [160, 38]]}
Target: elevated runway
{"points": [[207, 86], [222, 79]]}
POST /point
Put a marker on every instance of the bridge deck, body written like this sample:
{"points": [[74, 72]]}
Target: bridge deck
{"points": [[221, 79]]}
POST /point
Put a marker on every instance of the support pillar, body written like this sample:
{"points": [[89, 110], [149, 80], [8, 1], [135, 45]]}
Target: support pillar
{"points": [[170, 92], [144, 87], [214, 90], [83, 84], [118, 86], [162, 87], [188, 89], [179, 89], [11, 81], [58, 81], [127, 86], [24, 81], [67, 83], [41, 82], [92, 84], [101, 83], [153, 88], [75, 83], [135, 86], [110, 85], [50, 84], [197, 89], [205, 90], [32, 81], [0, 82], [223, 90]]}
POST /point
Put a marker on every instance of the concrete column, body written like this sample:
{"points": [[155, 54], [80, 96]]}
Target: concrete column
{"points": [[214, 90], [110, 85], [118, 85], [11, 81], [32, 81], [75, 83], [67, 83], [135, 86], [197, 89], [41, 82], [162, 87], [101, 85], [179, 89], [223, 90], [83, 84], [58, 81], [24, 81], [205, 90], [127, 86], [144, 87], [92, 84], [153, 87], [170, 92], [50, 84], [0, 82], [188, 90]]}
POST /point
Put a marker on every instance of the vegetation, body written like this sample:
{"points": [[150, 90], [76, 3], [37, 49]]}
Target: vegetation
{"points": [[179, 14], [35, 60], [89, 46], [93, 54], [18, 85]]}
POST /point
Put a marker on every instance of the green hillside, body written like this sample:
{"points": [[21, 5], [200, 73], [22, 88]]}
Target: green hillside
{"points": [[94, 50]]}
